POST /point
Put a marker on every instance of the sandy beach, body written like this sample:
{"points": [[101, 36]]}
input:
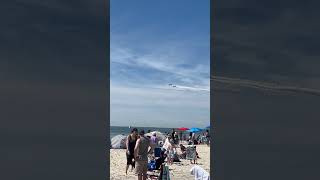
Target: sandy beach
{"points": [[177, 170]]}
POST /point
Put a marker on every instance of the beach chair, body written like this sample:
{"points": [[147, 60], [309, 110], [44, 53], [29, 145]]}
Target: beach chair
{"points": [[152, 173], [191, 153], [157, 152]]}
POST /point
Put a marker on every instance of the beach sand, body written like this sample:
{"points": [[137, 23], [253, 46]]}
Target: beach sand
{"points": [[177, 170]]}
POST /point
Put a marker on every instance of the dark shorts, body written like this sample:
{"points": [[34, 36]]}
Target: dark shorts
{"points": [[129, 159]]}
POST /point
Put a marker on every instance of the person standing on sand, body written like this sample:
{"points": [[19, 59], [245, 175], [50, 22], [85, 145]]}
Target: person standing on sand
{"points": [[130, 144], [170, 153], [172, 133], [141, 152], [190, 135], [176, 138], [207, 134], [193, 138], [166, 143], [154, 140]]}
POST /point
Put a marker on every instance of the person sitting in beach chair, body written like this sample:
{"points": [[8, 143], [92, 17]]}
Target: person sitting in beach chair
{"points": [[176, 157], [183, 151], [160, 160]]}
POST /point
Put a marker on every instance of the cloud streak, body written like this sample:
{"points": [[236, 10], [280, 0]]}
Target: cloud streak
{"points": [[264, 85], [176, 66]]}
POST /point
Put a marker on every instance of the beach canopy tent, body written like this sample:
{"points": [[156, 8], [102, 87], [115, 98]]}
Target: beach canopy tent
{"points": [[119, 142], [159, 135], [194, 130]]}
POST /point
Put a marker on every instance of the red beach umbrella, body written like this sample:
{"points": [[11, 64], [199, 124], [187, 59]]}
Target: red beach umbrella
{"points": [[183, 129]]}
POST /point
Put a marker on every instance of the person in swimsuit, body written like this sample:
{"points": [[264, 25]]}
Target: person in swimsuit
{"points": [[130, 144], [141, 152]]}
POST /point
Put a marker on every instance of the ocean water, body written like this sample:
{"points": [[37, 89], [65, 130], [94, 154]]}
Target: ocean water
{"points": [[116, 130]]}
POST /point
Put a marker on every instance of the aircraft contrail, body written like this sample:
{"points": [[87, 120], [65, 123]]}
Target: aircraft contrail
{"points": [[264, 85], [188, 88]]}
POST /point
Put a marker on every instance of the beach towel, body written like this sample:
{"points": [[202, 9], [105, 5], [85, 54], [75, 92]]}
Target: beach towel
{"points": [[166, 173], [191, 153], [199, 173]]}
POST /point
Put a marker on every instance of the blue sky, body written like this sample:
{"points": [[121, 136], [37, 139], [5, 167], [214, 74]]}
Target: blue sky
{"points": [[153, 44]]}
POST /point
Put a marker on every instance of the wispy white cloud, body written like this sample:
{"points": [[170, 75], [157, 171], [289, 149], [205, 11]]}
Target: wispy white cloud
{"points": [[175, 63]]}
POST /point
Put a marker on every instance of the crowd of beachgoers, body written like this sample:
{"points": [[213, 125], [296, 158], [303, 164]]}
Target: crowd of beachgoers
{"points": [[156, 155]]}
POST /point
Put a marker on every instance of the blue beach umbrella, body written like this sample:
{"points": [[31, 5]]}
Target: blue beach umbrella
{"points": [[194, 130]]}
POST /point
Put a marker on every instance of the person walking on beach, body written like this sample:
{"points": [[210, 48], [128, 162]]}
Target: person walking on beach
{"points": [[141, 152], [154, 140], [130, 144]]}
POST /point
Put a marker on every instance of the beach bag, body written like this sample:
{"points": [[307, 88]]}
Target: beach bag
{"points": [[151, 165]]}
